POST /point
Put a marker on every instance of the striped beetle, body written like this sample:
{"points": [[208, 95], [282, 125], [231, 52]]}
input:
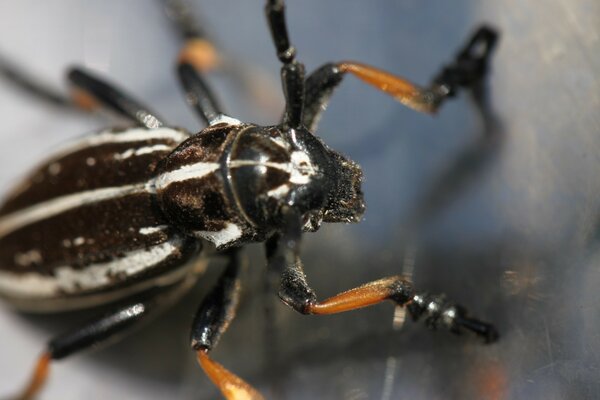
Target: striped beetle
{"points": [[121, 214]]}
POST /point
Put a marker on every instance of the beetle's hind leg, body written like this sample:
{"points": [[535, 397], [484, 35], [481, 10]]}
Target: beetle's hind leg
{"points": [[88, 93], [27, 83], [212, 319], [467, 70], [102, 330]]}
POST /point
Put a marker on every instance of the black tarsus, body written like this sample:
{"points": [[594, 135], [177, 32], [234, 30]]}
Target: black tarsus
{"points": [[471, 62], [114, 98], [437, 312]]}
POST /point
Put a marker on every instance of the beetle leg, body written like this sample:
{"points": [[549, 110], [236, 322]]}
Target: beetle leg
{"points": [[90, 92], [200, 51], [199, 94], [34, 87], [467, 70], [101, 330], [211, 321], [294, 290], [197, 57]]}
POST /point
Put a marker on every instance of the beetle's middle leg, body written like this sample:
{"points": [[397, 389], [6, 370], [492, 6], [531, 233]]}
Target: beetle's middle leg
{"points": [[294, 290], [212, 319], [102, 330]]}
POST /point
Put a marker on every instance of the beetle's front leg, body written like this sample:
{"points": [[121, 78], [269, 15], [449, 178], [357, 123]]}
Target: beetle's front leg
{"points": [[283, 256], [467, 70]]}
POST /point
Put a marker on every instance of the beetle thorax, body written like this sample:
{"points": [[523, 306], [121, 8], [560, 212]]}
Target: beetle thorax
{"points": [[226, 183]]}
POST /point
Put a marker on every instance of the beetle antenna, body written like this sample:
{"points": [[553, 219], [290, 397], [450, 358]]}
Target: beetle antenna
{"points": [[292, 72]]}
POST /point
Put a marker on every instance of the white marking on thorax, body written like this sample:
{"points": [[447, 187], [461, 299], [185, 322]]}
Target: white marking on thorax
{"points": [[280, 142], [280, 191], [230, 233], [50, 208], [142, 150], [71, 280], [192, 171], [300, 168], [149, 230]]}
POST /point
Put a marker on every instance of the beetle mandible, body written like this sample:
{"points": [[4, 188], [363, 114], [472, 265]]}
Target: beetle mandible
{"points": [[122, 214]]}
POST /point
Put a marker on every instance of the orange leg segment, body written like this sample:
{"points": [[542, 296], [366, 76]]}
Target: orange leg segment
{"points": [[232, 386], [407, 93], [38, 379], [84, 100], [200, 53], [362, 296]]}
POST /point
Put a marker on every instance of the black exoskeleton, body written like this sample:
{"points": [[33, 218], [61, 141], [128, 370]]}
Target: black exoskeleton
{"points": [[230, 184]]}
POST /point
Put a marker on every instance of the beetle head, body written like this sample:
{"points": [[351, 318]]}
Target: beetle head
{"points": [[329, 188]]}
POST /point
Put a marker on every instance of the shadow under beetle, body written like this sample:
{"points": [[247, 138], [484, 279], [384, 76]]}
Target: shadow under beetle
{"points": [[124, 213]]}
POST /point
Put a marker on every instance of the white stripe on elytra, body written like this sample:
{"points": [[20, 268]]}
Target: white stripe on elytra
{"points": [[142, 150], [50, 208], [71, 280], [149, 230], [130, 135]]}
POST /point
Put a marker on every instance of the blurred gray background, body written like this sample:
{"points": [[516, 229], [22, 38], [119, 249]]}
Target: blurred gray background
{"points": [[503, 220]]}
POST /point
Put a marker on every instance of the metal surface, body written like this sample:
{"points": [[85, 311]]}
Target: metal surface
{"points": [[508, 221]]}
